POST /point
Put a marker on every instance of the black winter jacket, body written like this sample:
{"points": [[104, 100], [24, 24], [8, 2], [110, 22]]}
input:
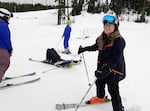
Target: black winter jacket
{"points": [[111, 55]]}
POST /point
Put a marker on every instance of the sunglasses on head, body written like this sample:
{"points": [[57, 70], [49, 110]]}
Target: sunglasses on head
{"points": [[108, 19]]}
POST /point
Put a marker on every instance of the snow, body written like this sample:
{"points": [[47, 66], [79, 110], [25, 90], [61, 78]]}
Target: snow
{"points": [[34, 32]]}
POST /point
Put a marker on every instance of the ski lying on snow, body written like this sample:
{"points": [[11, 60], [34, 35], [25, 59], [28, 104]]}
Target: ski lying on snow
{"points": [[9, 85], [14, 77], [42, 61], [65, 63], [74, 105], [59, 64]]}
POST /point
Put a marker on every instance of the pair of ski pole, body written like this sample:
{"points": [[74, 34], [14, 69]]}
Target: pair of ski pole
{"points": [[90, 84]]}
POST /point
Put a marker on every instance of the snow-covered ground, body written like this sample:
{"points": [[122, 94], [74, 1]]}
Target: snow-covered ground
{"points": [[34, 32]]}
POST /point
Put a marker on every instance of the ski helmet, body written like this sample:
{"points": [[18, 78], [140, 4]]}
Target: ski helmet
{"points": [[69, 22], [5, 14], [110, 17]]}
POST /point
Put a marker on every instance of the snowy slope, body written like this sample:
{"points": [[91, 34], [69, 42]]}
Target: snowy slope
{"points": [[34, 32]]}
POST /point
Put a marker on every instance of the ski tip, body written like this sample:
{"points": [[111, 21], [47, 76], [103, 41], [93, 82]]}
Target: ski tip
{"points": [[32, 81], [33, 73]]}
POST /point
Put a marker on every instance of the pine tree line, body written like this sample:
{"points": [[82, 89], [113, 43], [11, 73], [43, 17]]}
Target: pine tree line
{"points": [[140, 7], [24, 7]]}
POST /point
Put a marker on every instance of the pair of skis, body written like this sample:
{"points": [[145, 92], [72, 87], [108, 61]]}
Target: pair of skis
{"points": [[63, 63], [9, 85]]}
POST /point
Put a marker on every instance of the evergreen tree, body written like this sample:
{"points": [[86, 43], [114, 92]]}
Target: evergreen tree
{"points": [[117, 6], [77, 7], [91, 6]]}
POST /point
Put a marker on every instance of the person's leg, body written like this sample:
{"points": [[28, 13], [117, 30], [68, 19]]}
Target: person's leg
{"points": [[66, 44], [113, 88], [4, 62], [100, 88], [100, 93]]}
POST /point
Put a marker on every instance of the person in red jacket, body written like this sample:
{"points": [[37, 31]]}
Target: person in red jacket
{"points": [[111, 63], [5, 41]]}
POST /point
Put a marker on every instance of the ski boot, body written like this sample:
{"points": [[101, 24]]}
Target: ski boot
{"points": [[94, 100], [66, 51]]}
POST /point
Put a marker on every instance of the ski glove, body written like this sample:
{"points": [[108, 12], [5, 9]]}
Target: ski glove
{"points": [[10, 52], [103, 72], [81, 49]]}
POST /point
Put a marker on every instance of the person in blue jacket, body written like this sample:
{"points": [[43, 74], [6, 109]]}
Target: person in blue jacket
{"points": [[111, 62], [66, 35], [5, 41]]}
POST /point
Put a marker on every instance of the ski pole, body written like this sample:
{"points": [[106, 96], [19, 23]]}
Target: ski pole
{"points": [[49, 70], [86, 69], [59, 42], [85, 95]]}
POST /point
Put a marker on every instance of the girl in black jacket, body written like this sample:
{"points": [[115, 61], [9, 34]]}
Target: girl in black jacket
{"points": [[111, 63]]}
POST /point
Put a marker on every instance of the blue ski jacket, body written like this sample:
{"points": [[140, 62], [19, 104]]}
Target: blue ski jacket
{"points": [[66, 35], [5, 40], [67, 31]]}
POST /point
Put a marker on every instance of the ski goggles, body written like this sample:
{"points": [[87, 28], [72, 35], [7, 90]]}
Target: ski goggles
{"points": [[108, 19]]}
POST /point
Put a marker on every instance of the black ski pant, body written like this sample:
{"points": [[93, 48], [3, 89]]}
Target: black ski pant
{"points": [[112, 82]]}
